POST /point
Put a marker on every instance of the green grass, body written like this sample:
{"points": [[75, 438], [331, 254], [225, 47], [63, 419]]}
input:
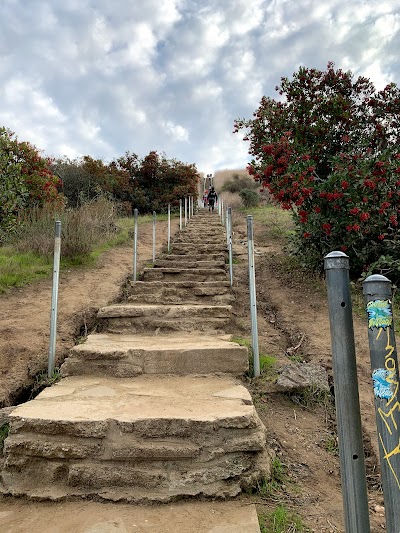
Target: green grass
{"points": [[18, 269], [267, 488], [281, 521], [277, 222]]}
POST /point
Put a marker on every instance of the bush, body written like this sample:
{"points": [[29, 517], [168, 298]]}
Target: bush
{"points": [[238, 183], [329, 154], [249, 198], [81, 229]]}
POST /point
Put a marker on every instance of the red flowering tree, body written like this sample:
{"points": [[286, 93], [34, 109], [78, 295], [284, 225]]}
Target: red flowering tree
{"points": [[25, 181], [329, 151]]}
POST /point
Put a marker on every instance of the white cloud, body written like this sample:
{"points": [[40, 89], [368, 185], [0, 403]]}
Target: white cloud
{"points": [[99, 78]]}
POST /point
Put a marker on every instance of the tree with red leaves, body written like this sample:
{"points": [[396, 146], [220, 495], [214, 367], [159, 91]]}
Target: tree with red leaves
{"points": [[328, 150]]}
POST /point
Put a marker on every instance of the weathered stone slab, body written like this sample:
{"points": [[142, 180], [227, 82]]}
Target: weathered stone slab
{"points": [[182, 273], [130, 355], [136, 318], [166, 437]]}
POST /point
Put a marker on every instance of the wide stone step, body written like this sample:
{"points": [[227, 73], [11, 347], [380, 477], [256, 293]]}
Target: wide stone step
{"points": [[136, 318], [187, 263], [131, 355], [220, 239], [181, 248], [195, 257], [106, 517], [180, 292], [176, 274], [151, 438]]}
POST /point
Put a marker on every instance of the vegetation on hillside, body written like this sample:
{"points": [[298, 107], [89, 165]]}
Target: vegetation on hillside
{"points": [[328, 152]]}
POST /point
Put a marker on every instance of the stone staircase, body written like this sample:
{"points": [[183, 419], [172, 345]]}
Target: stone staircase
{"points": [[149, 408]]}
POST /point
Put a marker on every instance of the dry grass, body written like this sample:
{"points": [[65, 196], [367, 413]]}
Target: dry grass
{"points": [[81, 229]]}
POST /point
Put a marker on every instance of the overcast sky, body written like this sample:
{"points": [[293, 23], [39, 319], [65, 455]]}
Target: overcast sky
{"points": [[101, 77]]}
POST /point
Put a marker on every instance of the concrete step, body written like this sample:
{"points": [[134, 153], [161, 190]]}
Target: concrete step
{"points": [[106, 517], [181, 274], [180, 292], [131, 355], [197, 257], [199, 239], [138, 318], [147, 439], [191, 248], [187, 263]]}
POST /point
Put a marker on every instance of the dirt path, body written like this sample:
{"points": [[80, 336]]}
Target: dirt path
{"points": [[25, 313]]}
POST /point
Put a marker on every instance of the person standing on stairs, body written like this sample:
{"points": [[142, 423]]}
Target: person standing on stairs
{"points": [[212, 198]]}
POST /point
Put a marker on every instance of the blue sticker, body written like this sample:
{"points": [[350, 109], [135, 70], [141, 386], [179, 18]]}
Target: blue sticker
{"points": [[382, 387], [379, 314]]}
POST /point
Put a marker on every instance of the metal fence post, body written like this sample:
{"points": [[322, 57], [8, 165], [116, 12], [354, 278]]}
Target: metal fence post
{"points": [[169, 227], [180, 214], [154, 236], [377, 291], [253, 298], [185, 211], [352, 467], [189, 208], [54, 299], [230, 245], [135, 236]]}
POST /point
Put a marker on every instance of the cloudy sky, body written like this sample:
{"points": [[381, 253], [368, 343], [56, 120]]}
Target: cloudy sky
{"points": [[101, 77]]}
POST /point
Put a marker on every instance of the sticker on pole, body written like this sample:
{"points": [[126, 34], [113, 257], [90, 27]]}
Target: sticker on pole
{"points": [[379, 314], [382, 385]]}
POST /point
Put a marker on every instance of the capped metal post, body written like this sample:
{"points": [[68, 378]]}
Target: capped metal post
{"points": [[230, 245], [154, 236], [377, 291], [352, 467], [135, 236], [253, 298], [169, 227], [180, 214], [54, 299], [185, 211]]}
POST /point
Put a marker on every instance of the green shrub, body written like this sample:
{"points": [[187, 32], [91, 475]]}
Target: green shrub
{"points": [[249, 198], [238, 183]]}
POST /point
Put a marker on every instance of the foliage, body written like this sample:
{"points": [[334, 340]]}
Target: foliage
{"points": [[81, 229], [282, 521], [329, 153], [249, 198], [148, 184], [238, 183], [25, 181]]}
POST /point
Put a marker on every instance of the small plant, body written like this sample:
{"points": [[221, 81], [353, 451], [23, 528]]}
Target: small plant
{"points": [[282, 521], [268, 487], [312, 396], [42, 381], [332, 445], [4, 430]]}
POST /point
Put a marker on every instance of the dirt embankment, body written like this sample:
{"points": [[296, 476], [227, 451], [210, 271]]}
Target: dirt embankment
{"points": [[25, 313]]}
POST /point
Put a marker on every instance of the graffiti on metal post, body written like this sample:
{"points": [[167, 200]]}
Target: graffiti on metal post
{"points": [[379, 314], [385, 380]]}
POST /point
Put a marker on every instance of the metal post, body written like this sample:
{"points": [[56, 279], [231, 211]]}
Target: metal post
{"points": [[219, 207], [135, 236], [154, 236], [180, 214], [230, 245], [169, 227], [253, 299], [54, 299], [377, 291], [222, 211], [227, 226], [189, 207], [192, 206], [352, 468], [185, 211]]}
